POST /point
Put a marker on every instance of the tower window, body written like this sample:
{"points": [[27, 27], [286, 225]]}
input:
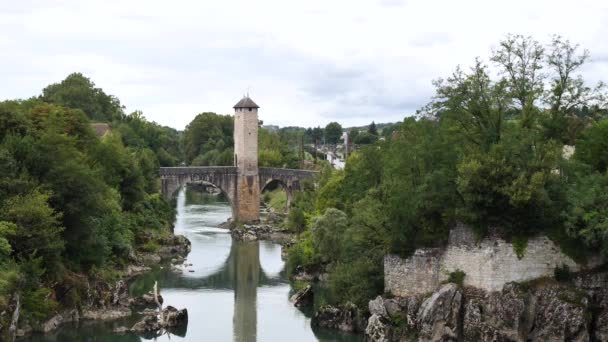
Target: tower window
{"points": [[250, 109]]}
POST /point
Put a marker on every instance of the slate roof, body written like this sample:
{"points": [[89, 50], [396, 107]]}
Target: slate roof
{"points": [[246, 102]]}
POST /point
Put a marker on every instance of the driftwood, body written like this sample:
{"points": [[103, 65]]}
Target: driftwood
{"points": [[12, 330], [160, 306]]}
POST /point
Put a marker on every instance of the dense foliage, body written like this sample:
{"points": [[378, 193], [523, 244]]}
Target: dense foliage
{"points": [[488, 152], [72, 202]]}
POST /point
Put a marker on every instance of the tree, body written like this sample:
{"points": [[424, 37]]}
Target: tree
{"points": [[474, 103], [333, 133], [316, 134], [568, 91], [591, 147], [327, 233], [372, 129], [520, 59], [208, 132], [37, 230], [78, 92], [365, 138]]}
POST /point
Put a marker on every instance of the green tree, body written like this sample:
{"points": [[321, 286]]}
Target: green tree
{"points": [[207, 132], [333, 133], [372, 129], [78, 92], [475, 104], [520, 60], [592, 146], [327, 233], [37, 229]]}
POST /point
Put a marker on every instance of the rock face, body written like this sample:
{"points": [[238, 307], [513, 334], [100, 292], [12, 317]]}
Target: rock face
{"points": [[304, 297], [541, 311], [344, 318], [438, 316]]}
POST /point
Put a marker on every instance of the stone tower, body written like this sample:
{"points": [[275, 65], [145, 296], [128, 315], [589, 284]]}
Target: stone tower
{"points": [[246, 161]]}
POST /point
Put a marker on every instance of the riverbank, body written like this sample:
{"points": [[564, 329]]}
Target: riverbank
{"points": [[104, 299]]}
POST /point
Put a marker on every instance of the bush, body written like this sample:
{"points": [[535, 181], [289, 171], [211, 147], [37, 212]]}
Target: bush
{"points": [[457, 277], [302, 253], [356, 281], [151, 247], [296, 220], [519, 245]]}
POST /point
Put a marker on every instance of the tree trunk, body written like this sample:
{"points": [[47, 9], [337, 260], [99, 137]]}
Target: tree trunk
{"points": [[160, 306], [12, 330]]}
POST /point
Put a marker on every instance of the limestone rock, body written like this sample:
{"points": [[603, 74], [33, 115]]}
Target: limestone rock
{"points": [[149, 259], [342, 318], [376, 330], [146, 299], [106, 314], [172, 318], [304, 297], [498, 316], [376, 307], [601, 320], [60, 318], [438, 315], [121, 293]]}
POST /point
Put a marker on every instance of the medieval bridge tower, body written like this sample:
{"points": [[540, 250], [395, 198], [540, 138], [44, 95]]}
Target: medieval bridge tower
{"points": [[246, 160], [244, 181]]}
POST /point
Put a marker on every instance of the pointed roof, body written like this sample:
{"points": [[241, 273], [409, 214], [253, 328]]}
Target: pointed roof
{"points": [[246, 102]]}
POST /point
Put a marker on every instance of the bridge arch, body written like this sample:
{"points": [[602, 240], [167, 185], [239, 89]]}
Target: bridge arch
{"points": [[223, 178], [273, 184], [226, 179]]}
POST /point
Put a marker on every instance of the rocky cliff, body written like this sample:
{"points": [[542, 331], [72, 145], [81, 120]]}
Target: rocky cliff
{"points": [[541, 310]]}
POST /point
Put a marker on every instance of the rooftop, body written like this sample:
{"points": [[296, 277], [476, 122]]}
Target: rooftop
{"points": [[246, 102]]}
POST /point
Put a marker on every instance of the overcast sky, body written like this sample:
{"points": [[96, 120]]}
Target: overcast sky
{"points": [[305, 62]]}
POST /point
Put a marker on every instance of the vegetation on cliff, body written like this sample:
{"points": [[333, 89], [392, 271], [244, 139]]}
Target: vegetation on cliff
{"points": [[487, 151], [71, 202]]}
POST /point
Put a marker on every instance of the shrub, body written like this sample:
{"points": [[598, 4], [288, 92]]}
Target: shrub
{"points": [[519, 245], [151, 247], [457, 277]]}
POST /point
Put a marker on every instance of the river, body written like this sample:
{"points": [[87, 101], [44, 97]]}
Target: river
{"points": [[234, 291]]}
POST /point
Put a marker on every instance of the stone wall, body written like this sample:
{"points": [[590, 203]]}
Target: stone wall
{"points": [[489, 264]]}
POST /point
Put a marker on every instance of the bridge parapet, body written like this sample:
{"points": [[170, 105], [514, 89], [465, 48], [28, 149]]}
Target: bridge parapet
{"points": [[190, 170], [287, 172]]}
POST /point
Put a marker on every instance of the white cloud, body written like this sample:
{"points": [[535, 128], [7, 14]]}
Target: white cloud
{"points": [[306, 62]]}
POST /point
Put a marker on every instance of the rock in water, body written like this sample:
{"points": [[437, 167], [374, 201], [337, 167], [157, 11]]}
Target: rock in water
{"points": [[175, 318], [303, 297], [146, 299], [344, 318], [172, 318]]}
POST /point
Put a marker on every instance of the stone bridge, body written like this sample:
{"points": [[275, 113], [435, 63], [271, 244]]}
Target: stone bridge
{"points": [[244, 181], [225, 178]]}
